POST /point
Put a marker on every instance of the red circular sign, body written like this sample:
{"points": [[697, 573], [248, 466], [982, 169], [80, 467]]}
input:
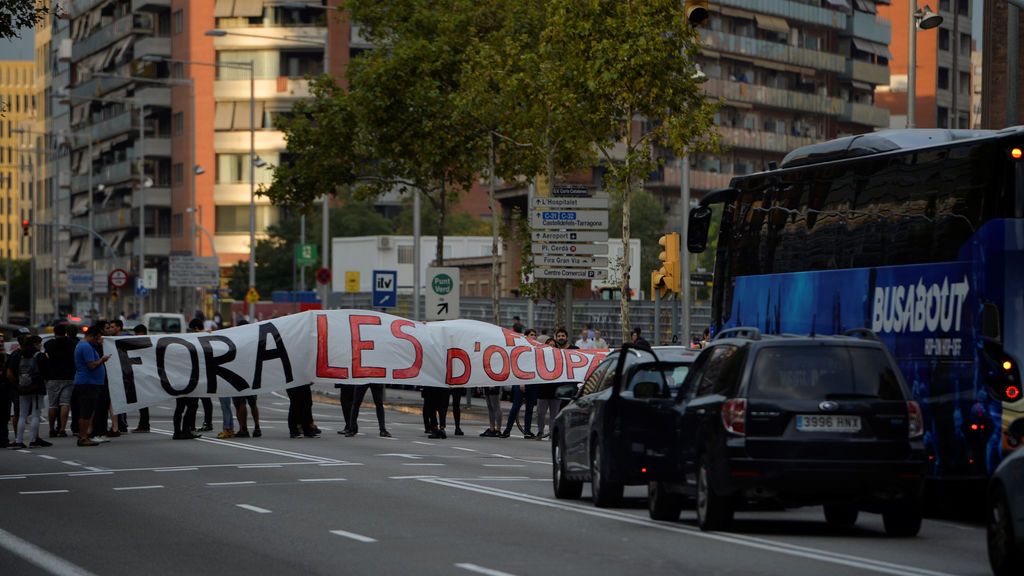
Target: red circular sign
{"points": [[323, 275], [118, 278]]}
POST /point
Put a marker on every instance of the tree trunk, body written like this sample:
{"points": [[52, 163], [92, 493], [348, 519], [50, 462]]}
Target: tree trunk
{"points": [[561, 313], [625, 270], [495, 277]]}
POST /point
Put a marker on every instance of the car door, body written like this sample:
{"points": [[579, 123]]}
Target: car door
{"points": [[700, 425], [576, 416]]}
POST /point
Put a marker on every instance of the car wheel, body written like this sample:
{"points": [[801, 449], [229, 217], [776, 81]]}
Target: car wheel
{"points": [[605, 494], [1004, 555], [902, 519], [564, 488], [714, 511], [661, 504], [841, 515]]}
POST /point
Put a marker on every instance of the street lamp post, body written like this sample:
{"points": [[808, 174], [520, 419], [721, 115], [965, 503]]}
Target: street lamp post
{"points": [[924, 19]]}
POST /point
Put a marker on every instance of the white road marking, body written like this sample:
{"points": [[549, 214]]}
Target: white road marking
{"points": [[160, 468], [773, 546], [501, 456], [93, 473], [46, 457], [94, 469], [151, 487], [239, 483], [410, 477], [506, 478], [183, 469], [70, 463], [505, 465], [36, 556], [251, 508], [341, 464], [353, 535], [321, 479], [422, 464], [243, 446], [409, 456], [249, 466], [30, 492], [424, 443], [463, 449], [482, 570], [12, 477]]}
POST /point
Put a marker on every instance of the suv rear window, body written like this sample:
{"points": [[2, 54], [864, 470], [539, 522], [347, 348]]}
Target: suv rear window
{"points": [[824, 372]]}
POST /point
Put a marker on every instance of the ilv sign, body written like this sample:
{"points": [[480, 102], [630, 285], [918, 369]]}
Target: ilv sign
{"points": [[442, 293]]}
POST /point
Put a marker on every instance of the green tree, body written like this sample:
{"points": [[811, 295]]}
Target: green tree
{"points": [[457, 223], [20, 280], [627, 63], [18, 14]]}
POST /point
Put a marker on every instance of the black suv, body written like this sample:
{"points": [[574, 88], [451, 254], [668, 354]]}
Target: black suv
{"points": [[795, 420], [595, 437]]}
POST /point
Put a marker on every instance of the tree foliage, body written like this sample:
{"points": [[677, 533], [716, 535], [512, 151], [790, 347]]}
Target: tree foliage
{"points": [[647, 218], [16, 15]]}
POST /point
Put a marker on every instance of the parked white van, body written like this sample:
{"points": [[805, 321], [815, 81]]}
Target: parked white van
{"points": [[164, 323]]}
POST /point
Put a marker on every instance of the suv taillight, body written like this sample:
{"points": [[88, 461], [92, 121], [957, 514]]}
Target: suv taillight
{"points": [[734, 416], [915, 423]]}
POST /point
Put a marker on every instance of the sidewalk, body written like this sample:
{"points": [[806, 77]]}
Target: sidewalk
{"points": [[410, 402]]}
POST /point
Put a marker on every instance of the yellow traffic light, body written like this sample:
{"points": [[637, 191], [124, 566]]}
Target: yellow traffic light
{"points": [[697, 12], [670, 265], [659, 285]]}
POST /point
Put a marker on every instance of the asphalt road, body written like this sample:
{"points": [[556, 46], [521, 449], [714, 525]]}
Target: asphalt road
{"points": [[144, 504]]}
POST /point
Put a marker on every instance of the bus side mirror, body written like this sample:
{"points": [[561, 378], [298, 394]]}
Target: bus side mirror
{"points": [[697, 229]]}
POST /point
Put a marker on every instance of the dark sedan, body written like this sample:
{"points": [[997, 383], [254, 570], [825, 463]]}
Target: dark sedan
{"points": [[601, 436], [1006, 517]]}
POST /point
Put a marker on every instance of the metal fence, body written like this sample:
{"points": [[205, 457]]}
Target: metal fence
{"points": [[601, 314]]}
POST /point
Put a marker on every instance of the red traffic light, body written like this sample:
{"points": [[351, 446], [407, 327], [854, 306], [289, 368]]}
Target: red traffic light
{"points": [[25, 226]]}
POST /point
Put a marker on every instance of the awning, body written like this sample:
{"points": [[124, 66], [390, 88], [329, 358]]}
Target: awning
{"points": [[737, 13], [223, 8], [248, 8], [225, 114], [74, 249], [843, 5], [80, 206], [862, 85], [866, 6], [872, 47], [773, 23]]}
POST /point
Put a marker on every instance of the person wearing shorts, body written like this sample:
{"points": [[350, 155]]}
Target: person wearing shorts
{"points": [[60, 379], [90, 375]]}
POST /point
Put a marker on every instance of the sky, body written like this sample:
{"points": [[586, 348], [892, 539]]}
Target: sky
{"points": [[19, 48]]}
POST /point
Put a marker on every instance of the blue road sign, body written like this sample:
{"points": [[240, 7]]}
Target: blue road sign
{"points": [[385, 288], [140, 288]]}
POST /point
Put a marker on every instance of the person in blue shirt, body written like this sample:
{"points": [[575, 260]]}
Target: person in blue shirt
{"points": [[90, 376]]}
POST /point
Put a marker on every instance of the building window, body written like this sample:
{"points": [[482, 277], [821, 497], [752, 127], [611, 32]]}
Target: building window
{"points": [[177, 70], [943, 78], [235, 219], [236, 169], [179, 22], [963, 7], [944, 39], [942, 117], [965, 45], [301, 64], [405, 254], [179, 123], [178, 174]]}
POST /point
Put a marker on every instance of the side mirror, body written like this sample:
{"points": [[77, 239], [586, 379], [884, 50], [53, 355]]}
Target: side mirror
{"points": [[697, 229]]}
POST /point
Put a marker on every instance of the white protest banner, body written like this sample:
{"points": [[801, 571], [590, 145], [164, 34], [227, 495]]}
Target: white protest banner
{"points": [[350, 346]]}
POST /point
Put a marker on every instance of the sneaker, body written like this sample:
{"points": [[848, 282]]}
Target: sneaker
{"points": [[296, 435], [343, 431], [458, 432], [101, 439], [311, 435], [257, 433], [40, 443], [438, 434], [528, 436], [141, 429], [226, 434], [87, 442], [182, 436], [385, 434], [488, 433], [113, 434], [17, 445], [62, 434], [505, 434], [242, 434], [350, 433], [194, 435], [205, 428]]}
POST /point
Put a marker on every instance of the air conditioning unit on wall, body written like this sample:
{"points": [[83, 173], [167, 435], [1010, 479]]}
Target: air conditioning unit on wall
{"points": [[384, 243]]}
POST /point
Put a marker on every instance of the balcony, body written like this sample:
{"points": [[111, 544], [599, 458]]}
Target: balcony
{"points": [[865, 114], [792, 11], [278, 89], [153, 45], [869, 27], [106, 129], [774, 51], [111, 174], [873, 74], [97, 86], [116, 30], [699, 179], [155, 197], [155, 96], [773, 97], [156, 5], [759, 140]]}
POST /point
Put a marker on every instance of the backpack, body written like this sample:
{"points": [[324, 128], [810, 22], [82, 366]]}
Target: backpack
{"points": [[30, 381]]}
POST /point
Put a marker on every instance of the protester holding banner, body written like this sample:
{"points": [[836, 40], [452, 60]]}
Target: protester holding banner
{"points": [[345, 395], [300, 412], [377, 391], [185, 407], [244, 405], [143, 427], [547, 394], [436, 400]]}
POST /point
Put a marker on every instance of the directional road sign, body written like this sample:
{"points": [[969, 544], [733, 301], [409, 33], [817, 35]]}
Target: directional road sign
{"points": [[571, 203], [571, 261], [570, 219], [385, 288], [569, 236], [574, 249], [442, 293], [571, 273]]}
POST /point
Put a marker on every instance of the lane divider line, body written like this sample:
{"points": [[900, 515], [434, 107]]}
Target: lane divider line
{"points": [[322, 479], [481, 569], [33, 492], [39, 557], [252, 508], [238, 483], [151, 487], [353, 536]]}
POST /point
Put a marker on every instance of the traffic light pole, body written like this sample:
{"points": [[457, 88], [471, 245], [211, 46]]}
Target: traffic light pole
{"points": [[683, 297]]}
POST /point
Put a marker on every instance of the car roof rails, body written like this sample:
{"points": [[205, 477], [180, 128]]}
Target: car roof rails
{"points": [[745, 332], [862, 333]]}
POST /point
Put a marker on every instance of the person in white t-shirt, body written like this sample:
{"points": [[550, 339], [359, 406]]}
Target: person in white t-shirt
{"points": [[586, 341]]}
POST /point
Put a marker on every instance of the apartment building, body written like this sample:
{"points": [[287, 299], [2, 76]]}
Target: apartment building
{"points": [[19, 172], [943, 66], [790, 73]]}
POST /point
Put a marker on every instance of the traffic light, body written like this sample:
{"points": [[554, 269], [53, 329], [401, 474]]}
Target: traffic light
{"points": [[25, 224], [697, 12], [670, 266]]}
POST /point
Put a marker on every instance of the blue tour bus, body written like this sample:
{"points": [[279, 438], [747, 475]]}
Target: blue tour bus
{"points": [[917, 235]]}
